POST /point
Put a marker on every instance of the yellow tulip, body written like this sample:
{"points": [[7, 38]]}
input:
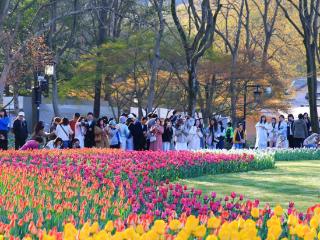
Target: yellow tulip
{"points": [[183, 234], [192, 223], [94, 228], [278, 210], [213, 222], [175, 225], [292, 220], [140, 229], [255, 212], [1, 237], [212, 237], [109, 226], [314, 222], [317, 211], [275, 230], [200, 231], [159, 227]]}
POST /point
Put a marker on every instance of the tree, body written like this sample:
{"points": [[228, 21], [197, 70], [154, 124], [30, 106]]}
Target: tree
{"points": [[308, 11], [158, 4], [205, 24]]}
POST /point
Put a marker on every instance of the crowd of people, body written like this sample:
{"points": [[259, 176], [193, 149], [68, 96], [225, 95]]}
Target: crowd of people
{"points": [[286, 134], [178, 132], [128, 133]]}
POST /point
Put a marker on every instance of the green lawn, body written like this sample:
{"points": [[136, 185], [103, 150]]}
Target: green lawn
{"points": [[297, 181]]}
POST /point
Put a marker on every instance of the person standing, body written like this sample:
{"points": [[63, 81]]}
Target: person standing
{"points": [[229, 136], [262, 133], [239, 137], [300, 131], [124, 132], [308, 122], [80, 131], [136, 130], [64, 132], [212, 134], [273, 133], [144, 126], [89, 133], [114, 134], [282, 141], [290, 131], [181, 135], [4, 129], [220, 144], [101, 134], [73, 122], [131, 125], [20, 131], [195, 135], [167, 135], [156, 132]]}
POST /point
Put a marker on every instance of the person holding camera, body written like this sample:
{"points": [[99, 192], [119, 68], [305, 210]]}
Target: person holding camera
{"points": [[89, 133], [101, 134], [4, 128]]}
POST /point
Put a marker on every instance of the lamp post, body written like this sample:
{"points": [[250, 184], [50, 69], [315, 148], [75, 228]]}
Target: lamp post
{"points": [[256, 94], [41, 85]]}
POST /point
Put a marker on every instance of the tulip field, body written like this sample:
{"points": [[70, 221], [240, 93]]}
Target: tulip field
{"points": [[110, 194]]}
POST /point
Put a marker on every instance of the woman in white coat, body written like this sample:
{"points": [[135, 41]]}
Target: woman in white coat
{"points": [[80, 131], [262, 128], [195, 135]]}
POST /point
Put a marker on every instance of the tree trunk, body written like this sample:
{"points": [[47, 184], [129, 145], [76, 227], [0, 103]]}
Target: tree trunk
{"points": [[97, 89], [101, 38], [156, 58], [312, 85], [3, 79], [16, 99], [55, 96], [233, 91], [4, 5], [193, 91], [52, 45]]}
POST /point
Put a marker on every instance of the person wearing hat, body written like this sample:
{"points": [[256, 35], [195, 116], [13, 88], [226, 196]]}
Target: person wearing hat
{"points": [[20, 130]]}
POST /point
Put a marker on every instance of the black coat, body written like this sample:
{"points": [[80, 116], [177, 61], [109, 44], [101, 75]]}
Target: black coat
{"points": [[136, 130], [20, 129], [89, 137], [167, 134]]}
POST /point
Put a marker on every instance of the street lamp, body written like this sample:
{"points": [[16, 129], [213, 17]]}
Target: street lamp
{"points": [[256, 94], [49, 70], [41, 85]]}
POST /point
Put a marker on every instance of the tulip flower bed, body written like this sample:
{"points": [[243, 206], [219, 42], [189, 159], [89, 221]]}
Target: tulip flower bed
{"points": [[297, 154], [46, 189]]}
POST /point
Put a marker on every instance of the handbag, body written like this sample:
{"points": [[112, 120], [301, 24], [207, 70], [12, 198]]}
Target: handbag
{"points": [[68, 135], [153, 138]]}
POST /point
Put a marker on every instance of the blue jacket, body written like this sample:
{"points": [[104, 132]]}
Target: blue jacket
{"points": [[4, 124]]}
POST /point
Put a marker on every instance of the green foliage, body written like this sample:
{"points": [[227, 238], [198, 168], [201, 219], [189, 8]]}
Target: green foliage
{"points": [[297, 154]]}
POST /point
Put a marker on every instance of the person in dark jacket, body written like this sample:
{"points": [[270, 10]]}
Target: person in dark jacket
{"points": [[167, 134], [89, 136], [290, 131], [20, 131], [300, 131], [136, 130]]}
